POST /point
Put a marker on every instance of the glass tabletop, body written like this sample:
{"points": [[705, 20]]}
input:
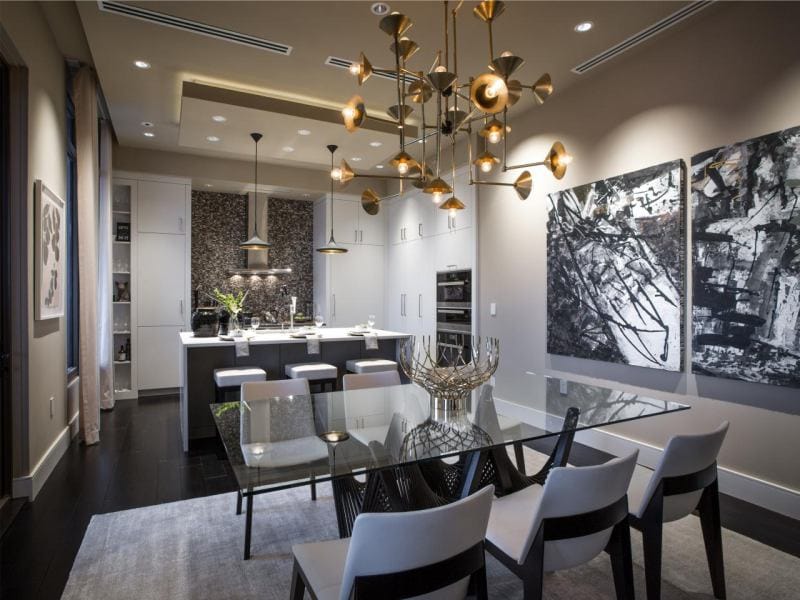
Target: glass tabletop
{"points": [[274, 443]]}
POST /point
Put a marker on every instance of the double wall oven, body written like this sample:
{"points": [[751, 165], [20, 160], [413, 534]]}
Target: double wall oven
{"points": [[453, 315]]}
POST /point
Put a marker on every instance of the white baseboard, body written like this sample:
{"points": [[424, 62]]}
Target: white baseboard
{"points": [[29, 486], [771, 496]]}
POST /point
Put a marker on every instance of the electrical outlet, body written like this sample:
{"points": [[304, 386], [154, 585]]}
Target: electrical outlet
{"points": [[52, 406], [492, 309]]}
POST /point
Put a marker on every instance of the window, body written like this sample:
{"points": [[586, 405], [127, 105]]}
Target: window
{"points": [[73, 300]]}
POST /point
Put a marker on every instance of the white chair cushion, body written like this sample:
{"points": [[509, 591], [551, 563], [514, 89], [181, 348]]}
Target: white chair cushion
{"points": [[237, 376], [370, 365], [287, 453], [311, 371], [512, 518], [323, 565]]}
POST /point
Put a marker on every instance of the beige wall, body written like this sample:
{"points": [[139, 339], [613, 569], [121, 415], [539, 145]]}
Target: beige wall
{"points": [[730, 73], [25, 24]]}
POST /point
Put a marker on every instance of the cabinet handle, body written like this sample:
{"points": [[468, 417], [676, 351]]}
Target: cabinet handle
{"points": [[361, 236], [333, 301], [355, 235], [180, 306], [180, 224], [419, 306], [420, 230]]}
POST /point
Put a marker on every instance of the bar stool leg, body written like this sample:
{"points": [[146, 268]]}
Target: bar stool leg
{"points": [[238, 502], [313, 488]]}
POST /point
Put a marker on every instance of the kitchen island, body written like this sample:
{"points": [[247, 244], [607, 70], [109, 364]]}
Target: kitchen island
{"points": [[271, 351]]}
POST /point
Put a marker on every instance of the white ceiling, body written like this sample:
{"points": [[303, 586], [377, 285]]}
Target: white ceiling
{"points": [[540, 32]]}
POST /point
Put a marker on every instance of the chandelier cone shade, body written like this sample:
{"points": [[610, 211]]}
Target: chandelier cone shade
{"points": [[395, 110], [557, 160], [354, 113], [489, 93], [437, 186], [420, 92], [506, 65], [441, 80], [332, 247], [346, 173], [407, 48], [364, 69], [488, 10], [514, 91], [403, 162], [421, 180], [485, 161], [523, 185], [452, 203], [542, 88], [494, 131], [370, 202], [395, 24]]}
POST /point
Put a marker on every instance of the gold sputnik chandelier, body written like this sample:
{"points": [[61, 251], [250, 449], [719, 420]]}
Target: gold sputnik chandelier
{"points": [[483, 100]]}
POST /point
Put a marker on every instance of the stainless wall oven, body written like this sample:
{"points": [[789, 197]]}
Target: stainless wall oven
{"points": [[453, 316]]}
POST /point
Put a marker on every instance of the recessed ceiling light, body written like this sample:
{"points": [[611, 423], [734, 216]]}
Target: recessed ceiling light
{"points": [[209, 185], [356, 158], [149, 134], [378, 166], [141, 64], [303, 132], [146, 124], [380, 8], [584, 27], [376, 144], [287, 149], [218, 119], [306, 195], [212, 138]]}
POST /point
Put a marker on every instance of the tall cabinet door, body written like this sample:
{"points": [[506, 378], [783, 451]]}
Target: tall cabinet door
{"points": [[162, 207], [158, 358], [161, 279]]}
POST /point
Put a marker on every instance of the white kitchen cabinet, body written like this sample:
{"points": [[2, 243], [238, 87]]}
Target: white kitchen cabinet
{"points": [[352, 225], [356, 286], [372, 228], [449, 221], [162, 207], [454, 250], [162, 284], [158, 358]]}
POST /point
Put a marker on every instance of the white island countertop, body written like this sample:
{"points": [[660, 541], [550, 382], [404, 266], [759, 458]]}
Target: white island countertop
{"points": [[283, 337]]}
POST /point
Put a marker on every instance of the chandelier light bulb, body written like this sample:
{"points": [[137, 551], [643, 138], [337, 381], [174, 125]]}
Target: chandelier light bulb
{"points": [[440, 69], [452, 212], [355, 69], [566, 159], [336, 174], [505, 53], [348, 112], [402, 168], [494, 137], [486, 166]]}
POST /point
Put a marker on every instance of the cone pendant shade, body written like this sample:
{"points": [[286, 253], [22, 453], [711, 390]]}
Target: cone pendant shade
{"points": [[255, 242], [332, 247]]}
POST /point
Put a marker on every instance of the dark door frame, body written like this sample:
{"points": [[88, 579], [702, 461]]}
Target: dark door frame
{"points": [[14, 281]]}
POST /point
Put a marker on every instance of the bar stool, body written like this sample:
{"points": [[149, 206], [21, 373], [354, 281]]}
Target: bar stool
{"points": [[318, 374], [370, 365], [231, 380]]}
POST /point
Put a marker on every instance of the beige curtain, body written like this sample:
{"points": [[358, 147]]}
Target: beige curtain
{"points": [[105, 341], [86, 142]]}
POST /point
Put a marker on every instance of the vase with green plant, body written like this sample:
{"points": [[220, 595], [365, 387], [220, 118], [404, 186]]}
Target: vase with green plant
{"points": [[233, 305]]}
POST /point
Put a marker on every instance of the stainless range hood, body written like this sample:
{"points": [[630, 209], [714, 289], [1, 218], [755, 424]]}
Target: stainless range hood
{"points": [[257, 261]]}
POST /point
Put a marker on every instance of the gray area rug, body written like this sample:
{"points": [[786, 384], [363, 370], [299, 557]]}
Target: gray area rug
{"points": [[193, 550]]}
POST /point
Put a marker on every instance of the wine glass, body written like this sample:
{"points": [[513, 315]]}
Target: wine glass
{"points": [[371, 321], [254, 323], [318, 320]]}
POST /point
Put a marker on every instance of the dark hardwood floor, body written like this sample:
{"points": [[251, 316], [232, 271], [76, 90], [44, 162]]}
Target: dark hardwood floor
{"points": [[139, 462]]}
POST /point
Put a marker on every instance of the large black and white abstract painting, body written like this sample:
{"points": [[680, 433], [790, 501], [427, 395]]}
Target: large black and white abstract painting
{"points": [[615, 268], [746, 261]]}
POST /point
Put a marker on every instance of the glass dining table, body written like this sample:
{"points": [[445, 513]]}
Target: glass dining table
{"points": [[388, 449]]}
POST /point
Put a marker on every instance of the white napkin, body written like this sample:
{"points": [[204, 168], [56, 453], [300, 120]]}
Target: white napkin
{"points": [[312, 343], [371, 341], [242, 348]]}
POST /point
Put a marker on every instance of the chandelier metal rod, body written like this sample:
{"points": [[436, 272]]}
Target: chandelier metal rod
{"points": [[400, 89], [523, 166], [424, 136]]}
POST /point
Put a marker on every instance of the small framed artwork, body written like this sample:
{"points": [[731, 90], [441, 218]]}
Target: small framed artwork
{"points": [[123, 232], [50, 256]]}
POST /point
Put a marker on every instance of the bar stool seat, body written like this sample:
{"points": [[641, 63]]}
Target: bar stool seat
{"points": [[231, 379], [318, 374], [370, 365]]}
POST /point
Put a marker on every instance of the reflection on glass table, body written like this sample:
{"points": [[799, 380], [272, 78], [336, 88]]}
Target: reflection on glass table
{"points": [[397, 435]]}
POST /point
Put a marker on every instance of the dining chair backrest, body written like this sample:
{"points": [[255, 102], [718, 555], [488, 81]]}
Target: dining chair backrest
{"points": [[575, 491], [386, 543], [683, 455], [282, 417], [360, 381]]}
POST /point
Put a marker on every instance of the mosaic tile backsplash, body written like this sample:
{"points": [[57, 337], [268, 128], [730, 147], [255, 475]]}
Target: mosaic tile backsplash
{"points": [[219, 223]]}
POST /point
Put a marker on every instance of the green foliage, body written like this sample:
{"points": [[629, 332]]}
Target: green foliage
{"points": [[233, 303]]}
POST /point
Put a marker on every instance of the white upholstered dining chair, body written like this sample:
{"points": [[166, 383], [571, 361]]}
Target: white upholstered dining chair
{"points": [[578, 513], [685, 479], [360, 381], [429, 553]]}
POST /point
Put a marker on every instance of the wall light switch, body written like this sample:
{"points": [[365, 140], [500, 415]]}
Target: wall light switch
{"points": [[562, 387], [493, 309], [52, 406]]}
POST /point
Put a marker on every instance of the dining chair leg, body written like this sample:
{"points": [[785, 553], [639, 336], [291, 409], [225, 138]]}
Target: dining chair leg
{"points": [[619, 549], [651, 544], [313, 488], [238, 502], [519, 454], [298, 585], [478, 581], [712, 537], [248, 525], [533, 570]]}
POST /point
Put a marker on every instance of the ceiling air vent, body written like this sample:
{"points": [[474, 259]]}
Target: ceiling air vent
{"points": [[654, 29], [343, 63], [159, 18]]}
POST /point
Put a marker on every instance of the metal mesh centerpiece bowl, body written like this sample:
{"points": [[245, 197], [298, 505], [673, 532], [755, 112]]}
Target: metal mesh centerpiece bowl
{"points": [[449, 373]]}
